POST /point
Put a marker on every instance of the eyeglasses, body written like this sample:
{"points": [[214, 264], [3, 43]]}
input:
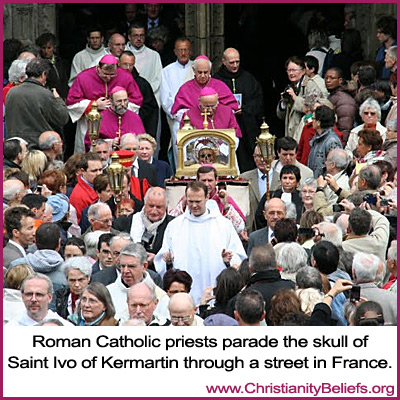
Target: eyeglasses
{"points": [[294, 70], [29, 295], [311, 191], [141, 35], [369, 113], [185, 319]]}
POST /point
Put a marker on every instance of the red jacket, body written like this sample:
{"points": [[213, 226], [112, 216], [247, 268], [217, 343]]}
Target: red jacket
{"points": [[82, 196]]}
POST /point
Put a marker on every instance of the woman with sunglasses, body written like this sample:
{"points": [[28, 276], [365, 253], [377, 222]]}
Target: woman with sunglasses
{"points": [[370, 113]]}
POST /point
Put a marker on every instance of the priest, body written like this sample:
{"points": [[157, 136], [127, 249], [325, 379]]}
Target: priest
{"points": [[249, 95], [118, 120], [96, 84], [208, 108]]}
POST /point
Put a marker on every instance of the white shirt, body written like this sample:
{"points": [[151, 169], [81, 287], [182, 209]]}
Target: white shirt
{"points": [[26, 320], [262, 184], [148, 64], [174, 76]]}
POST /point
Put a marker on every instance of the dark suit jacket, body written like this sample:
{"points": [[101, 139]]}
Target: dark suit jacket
{"points": [[148, 171], [164, 171], [96, 267], [257, 238], [149, 112]]}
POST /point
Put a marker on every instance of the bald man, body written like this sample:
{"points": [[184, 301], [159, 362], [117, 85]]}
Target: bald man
{"points": [[249, 96], [182, 310], [51, 144], [218, 115]]}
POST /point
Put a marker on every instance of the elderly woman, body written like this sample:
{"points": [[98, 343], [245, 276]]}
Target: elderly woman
{"points": [[309, 288], [325, 139], [307, 192], [147, 146], [370, 113], [13, 306], [291, 257], [16, 75], [77, 270], [288, 109], [95, 308]]}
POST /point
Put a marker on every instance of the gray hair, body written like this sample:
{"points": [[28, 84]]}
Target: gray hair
{"points": [[371, 103], [95, 210], [12, 188], [340, 158], [17, 70], [153, 189], [122, 235], [91, 240], [49, 141], [365, 267], [309, 277], [392, 52], [291, 257], [309, 298], [291, 211], [81, 263], [266, 204], [125, 137], [135, 250], [332, 233], [262, 258], [100, 141], [180, 298], [194, 65], [146, 137], [150, 285], [309, 182], [392, 252], [40, 276], [392, 124], [50, 321]]}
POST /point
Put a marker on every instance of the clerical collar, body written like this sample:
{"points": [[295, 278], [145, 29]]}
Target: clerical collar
{"points": [[183, 65]]}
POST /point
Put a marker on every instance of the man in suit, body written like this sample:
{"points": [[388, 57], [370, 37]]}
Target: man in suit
{"points": [[257, 188], [275, 209], [104, 254], [20, 228], [286, 148]]}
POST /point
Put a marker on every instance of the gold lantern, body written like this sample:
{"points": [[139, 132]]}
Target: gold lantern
{"points": [[266, 142], [186, 124], [115, 173], [93, 120]]}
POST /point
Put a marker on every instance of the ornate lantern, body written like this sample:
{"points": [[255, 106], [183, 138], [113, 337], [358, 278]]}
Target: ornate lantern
{"points": [[186, 124], [94, 120], [266, 142], [115, 173]]}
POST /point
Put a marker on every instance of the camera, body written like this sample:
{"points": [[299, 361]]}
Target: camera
{"points": [[370, 199], [286, 97], [305, 231], [385, 202], [355, 293], [337, 208], [147, 240]]}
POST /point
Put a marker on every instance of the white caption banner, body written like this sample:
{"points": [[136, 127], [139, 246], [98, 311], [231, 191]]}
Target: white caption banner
{"points": [[165, 362]]}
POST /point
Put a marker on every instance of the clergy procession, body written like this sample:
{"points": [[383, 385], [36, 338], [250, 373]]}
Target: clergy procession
{"points": [[285, 212]]}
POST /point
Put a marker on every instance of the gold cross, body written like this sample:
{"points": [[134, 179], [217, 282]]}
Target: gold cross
{"points": [[205, 123], [119, 126]]}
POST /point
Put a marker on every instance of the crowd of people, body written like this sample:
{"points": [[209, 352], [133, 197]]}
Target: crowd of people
{"points": [[320, 248]]}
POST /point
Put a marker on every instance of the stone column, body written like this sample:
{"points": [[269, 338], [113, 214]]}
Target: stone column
{"points": [[205, 27], [25, 21], [367, 16]]}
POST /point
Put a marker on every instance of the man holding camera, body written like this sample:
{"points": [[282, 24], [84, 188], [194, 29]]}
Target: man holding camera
{"points": [[325, 197], [148, 226]]}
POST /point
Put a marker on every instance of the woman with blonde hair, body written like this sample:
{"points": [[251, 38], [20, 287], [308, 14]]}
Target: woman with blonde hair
{"points": [[34, 164], [13, 306]]}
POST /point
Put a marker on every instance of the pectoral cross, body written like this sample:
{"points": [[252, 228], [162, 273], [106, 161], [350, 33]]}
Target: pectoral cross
{"points": [[119, 126], [205, 122], [106, 95]]}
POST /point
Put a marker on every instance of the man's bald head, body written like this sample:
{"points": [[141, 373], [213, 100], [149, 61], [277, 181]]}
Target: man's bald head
{"points": [[274, 210], [13, 190], [202, 70], [182, 309], [231, 60], [129, 142], [116, 44]]}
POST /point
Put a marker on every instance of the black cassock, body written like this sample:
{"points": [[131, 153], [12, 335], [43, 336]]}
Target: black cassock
{"points": [[249, 120]]}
